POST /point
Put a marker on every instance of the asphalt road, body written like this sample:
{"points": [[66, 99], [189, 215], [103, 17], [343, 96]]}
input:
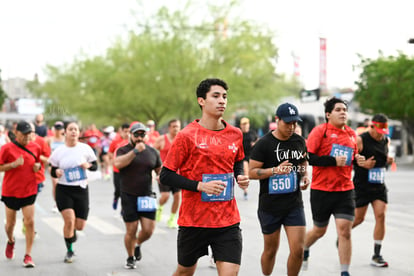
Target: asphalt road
{"points": [[100, 249]]}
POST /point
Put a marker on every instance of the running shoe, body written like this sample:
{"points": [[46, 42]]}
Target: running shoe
{"points": [[137, 253], [23, 228], [55, 209], [28, 262], [159, 213], [130, 263], [305, 262], [69, 257], [345, 273], [10, 250], [115, 204], [378, 261], [212, 262], [172, 223]]}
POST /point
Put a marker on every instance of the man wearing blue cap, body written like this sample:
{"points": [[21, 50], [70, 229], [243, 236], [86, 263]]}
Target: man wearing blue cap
{"points": [[279, 161]]}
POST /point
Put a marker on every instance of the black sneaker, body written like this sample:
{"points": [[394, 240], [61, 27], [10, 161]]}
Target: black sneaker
{"points": [[305, 262], [69, 257], [137, 253], [345, 273], [130, 263], [378, 261]]}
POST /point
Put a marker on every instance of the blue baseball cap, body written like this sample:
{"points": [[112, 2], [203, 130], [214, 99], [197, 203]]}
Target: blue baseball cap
{"points": [[288, 113]]}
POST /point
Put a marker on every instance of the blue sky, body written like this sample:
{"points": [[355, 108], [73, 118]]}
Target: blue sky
{"points": [[36, 33]]}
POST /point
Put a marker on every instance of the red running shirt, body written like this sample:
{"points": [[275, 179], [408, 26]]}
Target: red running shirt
{"points": [[45, 151], [115, 144], [19, 182], [166, 148], [196, 151], [320, 142]]}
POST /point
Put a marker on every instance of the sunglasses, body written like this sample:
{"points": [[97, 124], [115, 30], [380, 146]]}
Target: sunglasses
{"points": [[380, 125], [139, 134]]}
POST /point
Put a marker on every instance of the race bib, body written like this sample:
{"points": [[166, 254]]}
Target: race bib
{"points": [[146, 204], [227, 193], [340, 150], [75, 174], [283, 183], [93, 140], [376, 175]]}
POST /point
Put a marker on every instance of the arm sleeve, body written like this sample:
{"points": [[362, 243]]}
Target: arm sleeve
{"points": [[94, 166], [171, 178], [53, 171], [238, 169], [321, 161]]}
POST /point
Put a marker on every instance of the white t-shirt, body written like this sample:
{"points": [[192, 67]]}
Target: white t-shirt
{"points": [[69, 160]]}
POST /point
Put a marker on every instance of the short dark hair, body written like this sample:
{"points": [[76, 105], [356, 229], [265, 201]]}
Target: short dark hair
{"points": [[380, 118], [124, 126], [206, 84], [330, 105], [172, 121]]}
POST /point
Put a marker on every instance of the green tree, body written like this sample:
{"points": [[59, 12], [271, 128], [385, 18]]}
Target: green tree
{"points": [[3, 95], [153, 73], [386, 85]]}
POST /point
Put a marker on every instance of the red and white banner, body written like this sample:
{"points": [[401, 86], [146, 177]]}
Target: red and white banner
{"points": [[322, 63]]}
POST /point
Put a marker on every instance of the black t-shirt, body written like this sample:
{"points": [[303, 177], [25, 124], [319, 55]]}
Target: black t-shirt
{"points": [[41, 130], [136, 178], [248, 138], [272, 152], [370, 147]]}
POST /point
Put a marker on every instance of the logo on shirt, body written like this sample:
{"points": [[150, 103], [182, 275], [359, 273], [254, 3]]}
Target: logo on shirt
{"points": [[333, 135], [202, 146], [233, 147]]}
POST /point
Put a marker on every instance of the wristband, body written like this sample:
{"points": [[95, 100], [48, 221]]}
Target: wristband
{"points": [[135, 151]]}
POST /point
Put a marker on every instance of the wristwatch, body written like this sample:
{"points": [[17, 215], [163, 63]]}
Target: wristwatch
{"points": [[135, 151]]}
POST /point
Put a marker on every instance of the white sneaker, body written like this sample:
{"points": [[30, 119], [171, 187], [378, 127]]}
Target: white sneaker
{"points": [[212, 263], [55, 209]]}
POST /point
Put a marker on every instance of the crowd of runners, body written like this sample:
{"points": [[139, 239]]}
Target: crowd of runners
{"points": [[200, 166]]}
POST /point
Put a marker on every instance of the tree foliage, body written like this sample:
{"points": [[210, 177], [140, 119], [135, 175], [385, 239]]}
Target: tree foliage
{"points": [[3, 95], [386, 86], [153, 73]]}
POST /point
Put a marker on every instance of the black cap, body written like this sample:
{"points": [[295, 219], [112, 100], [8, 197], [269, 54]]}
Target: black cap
{"points": [[24, 127]]}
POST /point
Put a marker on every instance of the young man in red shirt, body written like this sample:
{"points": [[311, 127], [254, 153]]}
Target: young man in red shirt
{"points": [[208, 153], [332, 148]]}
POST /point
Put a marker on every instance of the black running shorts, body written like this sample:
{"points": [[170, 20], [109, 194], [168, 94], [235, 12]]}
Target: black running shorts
{"points": [[324, 204], [73, 197], [15, 203], [166, 188], [130, 209], [364, 196], [270, 223], [193, 242]]}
